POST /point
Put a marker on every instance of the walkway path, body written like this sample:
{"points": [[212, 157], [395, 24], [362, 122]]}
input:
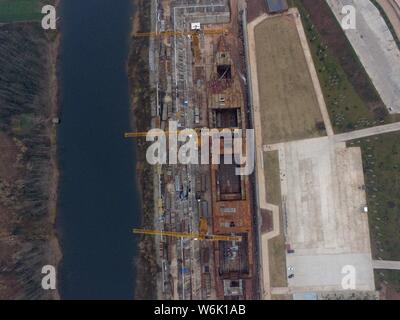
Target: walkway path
{"points": [[363, 133], [389, 265]]}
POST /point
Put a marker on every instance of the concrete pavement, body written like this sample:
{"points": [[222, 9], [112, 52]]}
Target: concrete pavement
{"points": [[392, 10], [388, 265], [363, 133]]}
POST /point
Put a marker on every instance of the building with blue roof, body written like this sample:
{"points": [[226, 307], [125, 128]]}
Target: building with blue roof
{"points": [[277, 6]]}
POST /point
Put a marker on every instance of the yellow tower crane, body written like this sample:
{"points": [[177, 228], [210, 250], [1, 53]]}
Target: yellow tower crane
{"points": [[144, 134], [194, 34], [167, 134], [201, 235]]}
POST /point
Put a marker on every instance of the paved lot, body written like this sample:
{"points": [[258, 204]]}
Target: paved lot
{"points": [[323, 197], [376, 49], [392, 10]]}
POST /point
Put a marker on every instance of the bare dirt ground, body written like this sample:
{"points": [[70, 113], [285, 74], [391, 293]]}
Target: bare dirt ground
{"points": [[8, 158], [388, 293], [255, 8]]}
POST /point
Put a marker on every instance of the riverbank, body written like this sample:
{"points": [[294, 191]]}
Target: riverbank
{"points": [[138, 70], [55, 248]]}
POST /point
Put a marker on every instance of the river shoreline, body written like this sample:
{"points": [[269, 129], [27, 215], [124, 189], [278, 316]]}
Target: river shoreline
{"points": [[138, 72], [54, 242]]}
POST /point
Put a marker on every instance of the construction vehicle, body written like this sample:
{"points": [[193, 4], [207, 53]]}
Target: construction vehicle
{"points": [[201, 235]]}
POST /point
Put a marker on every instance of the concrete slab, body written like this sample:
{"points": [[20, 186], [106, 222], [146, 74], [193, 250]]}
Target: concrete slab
{"points": [[323, 197], [316, 273]]}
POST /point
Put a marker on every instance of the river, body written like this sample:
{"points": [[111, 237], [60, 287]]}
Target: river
{"points": [[98, 202]]}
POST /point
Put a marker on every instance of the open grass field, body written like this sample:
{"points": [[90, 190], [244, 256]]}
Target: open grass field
{"points": [[350, 97], [20, 10], [288, 103], [381, 161]]}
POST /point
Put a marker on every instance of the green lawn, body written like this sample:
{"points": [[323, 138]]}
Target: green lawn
{"points": [[347, 110], [381, 161], [20, 10]]}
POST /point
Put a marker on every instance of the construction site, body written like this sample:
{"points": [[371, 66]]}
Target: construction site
{"points": [[204, 217]]}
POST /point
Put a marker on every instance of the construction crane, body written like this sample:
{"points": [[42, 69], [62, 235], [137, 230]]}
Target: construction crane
{"points": [[167, 133], [201, 235], [144, 134], [194, 34], [182, 33]]}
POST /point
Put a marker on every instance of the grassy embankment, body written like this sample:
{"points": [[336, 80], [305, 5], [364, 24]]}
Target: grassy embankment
{"points": [[141, 94], [351, 98], [353, 103], [12, 11], [381, 160], [276, 246], [20, 10]]}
